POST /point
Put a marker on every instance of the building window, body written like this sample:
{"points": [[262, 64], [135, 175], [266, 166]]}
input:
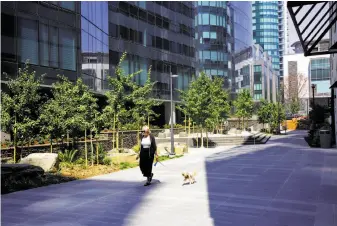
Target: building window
{"points": [[8, 29], [28, 41], [67, 49], [44, 47]]}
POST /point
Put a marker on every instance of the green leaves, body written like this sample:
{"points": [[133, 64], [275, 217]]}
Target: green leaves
{"points": [[244, 105], [72, 109], [205, 101], [264, 112], [20, 107]]}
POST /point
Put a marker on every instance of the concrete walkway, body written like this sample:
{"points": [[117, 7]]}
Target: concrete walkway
{"points": [[281, 183]]}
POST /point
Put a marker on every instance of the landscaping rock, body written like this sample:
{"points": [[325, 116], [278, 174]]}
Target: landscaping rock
{"points": [[20, 171], [182, 134], [232, 131], [45, 160], [161, 135], [167, 134]]}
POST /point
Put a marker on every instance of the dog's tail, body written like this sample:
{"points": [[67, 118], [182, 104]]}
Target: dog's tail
{"points": [[194, 174]]}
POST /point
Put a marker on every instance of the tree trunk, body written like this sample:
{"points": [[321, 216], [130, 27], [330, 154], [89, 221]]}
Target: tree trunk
{"points": [[202, 140], [207, 137], [113, 132], [185, 124], [15, 141], [148, 121], [189, 126], [97, 151], [68, 140], [85, 147], [92, 150], [51, 144]]}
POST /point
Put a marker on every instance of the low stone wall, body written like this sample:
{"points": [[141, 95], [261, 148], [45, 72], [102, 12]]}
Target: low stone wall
{"points": [[7, 153], [128, 139]]}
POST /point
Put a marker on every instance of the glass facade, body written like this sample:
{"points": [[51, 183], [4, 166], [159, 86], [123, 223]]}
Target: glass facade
{"points": [[320, 75], [214, 39], [257, 82], [320, 69], [243, 32], [165, 42], [45, 34], [266, 30], [95, 44]]}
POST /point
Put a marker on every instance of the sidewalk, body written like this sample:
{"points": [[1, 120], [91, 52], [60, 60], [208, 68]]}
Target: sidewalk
{"points": [[281, 183]]}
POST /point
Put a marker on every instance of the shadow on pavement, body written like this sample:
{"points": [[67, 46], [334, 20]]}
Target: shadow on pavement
{"points": [[264, 185], [84, 202]]}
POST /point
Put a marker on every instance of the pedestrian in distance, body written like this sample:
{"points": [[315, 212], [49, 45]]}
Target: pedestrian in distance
{"points": [[148, 150]]}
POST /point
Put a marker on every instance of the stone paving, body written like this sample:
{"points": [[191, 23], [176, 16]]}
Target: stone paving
{"points": [[281, 183]]}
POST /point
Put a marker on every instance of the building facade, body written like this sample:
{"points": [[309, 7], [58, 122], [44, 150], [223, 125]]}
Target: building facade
{"points": [[333, 73], [254, 71], [86, 40], [243, 30], [268, 30], [43, 33], [301, 72], [214, 34]]}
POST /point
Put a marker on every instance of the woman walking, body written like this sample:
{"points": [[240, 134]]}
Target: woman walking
{"points": [[148, 149]]}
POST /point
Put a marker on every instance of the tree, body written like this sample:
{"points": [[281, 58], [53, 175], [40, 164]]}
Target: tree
{"points": [[197, 100], [294, 89], [218, 106], [116, 112], [277, 116], [244, 105], [144, 102], [86, 114], [264, 112], [20, 107], [294, 106]]}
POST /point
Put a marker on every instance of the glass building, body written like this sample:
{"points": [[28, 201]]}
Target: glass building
{"points": [[44, 33], [254, 71], [86, 39], [243, 33], [214, 33], [268, 29]]}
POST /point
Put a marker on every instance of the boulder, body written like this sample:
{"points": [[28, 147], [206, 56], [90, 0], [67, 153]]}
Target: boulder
{"points": [[20, 170], [246, 133], [161, 135], [179, 149], [167, 134], [44, 160], [182, 134], [232, 131]]}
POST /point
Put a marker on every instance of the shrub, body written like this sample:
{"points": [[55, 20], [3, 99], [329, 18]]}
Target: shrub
{"points": [[101, 154], [136, 148], [126, 165], [107, 161], [68, 156]]}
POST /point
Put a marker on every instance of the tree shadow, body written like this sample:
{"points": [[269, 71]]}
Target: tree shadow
{"points": [[96, 201], [265, 184]]}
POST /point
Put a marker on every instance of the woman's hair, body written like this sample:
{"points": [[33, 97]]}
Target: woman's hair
{"points": [[146, 128]]}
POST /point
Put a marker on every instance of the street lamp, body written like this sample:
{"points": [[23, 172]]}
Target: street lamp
{"points": [[172, 134], [313, 87]]}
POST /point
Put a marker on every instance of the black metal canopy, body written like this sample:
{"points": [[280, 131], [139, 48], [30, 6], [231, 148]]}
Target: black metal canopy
{"points": [[312, 21]]}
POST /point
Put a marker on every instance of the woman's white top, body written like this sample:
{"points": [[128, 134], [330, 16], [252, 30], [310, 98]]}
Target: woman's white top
{"points": [[146, 142]]}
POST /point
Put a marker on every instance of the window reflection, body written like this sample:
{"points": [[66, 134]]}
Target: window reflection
{"points": [[94, 45]]}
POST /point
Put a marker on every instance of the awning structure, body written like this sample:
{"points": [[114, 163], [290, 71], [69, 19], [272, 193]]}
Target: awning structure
{"points": [[312, 21]]}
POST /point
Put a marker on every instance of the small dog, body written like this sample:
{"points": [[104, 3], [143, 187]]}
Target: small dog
{"points": [[189, 177]]}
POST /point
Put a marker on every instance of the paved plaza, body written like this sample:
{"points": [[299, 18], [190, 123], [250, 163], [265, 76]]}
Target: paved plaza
{"points": [[283, 182]]}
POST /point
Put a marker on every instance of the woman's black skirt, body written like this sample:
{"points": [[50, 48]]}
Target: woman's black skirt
{"points": [[146, 161]]}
